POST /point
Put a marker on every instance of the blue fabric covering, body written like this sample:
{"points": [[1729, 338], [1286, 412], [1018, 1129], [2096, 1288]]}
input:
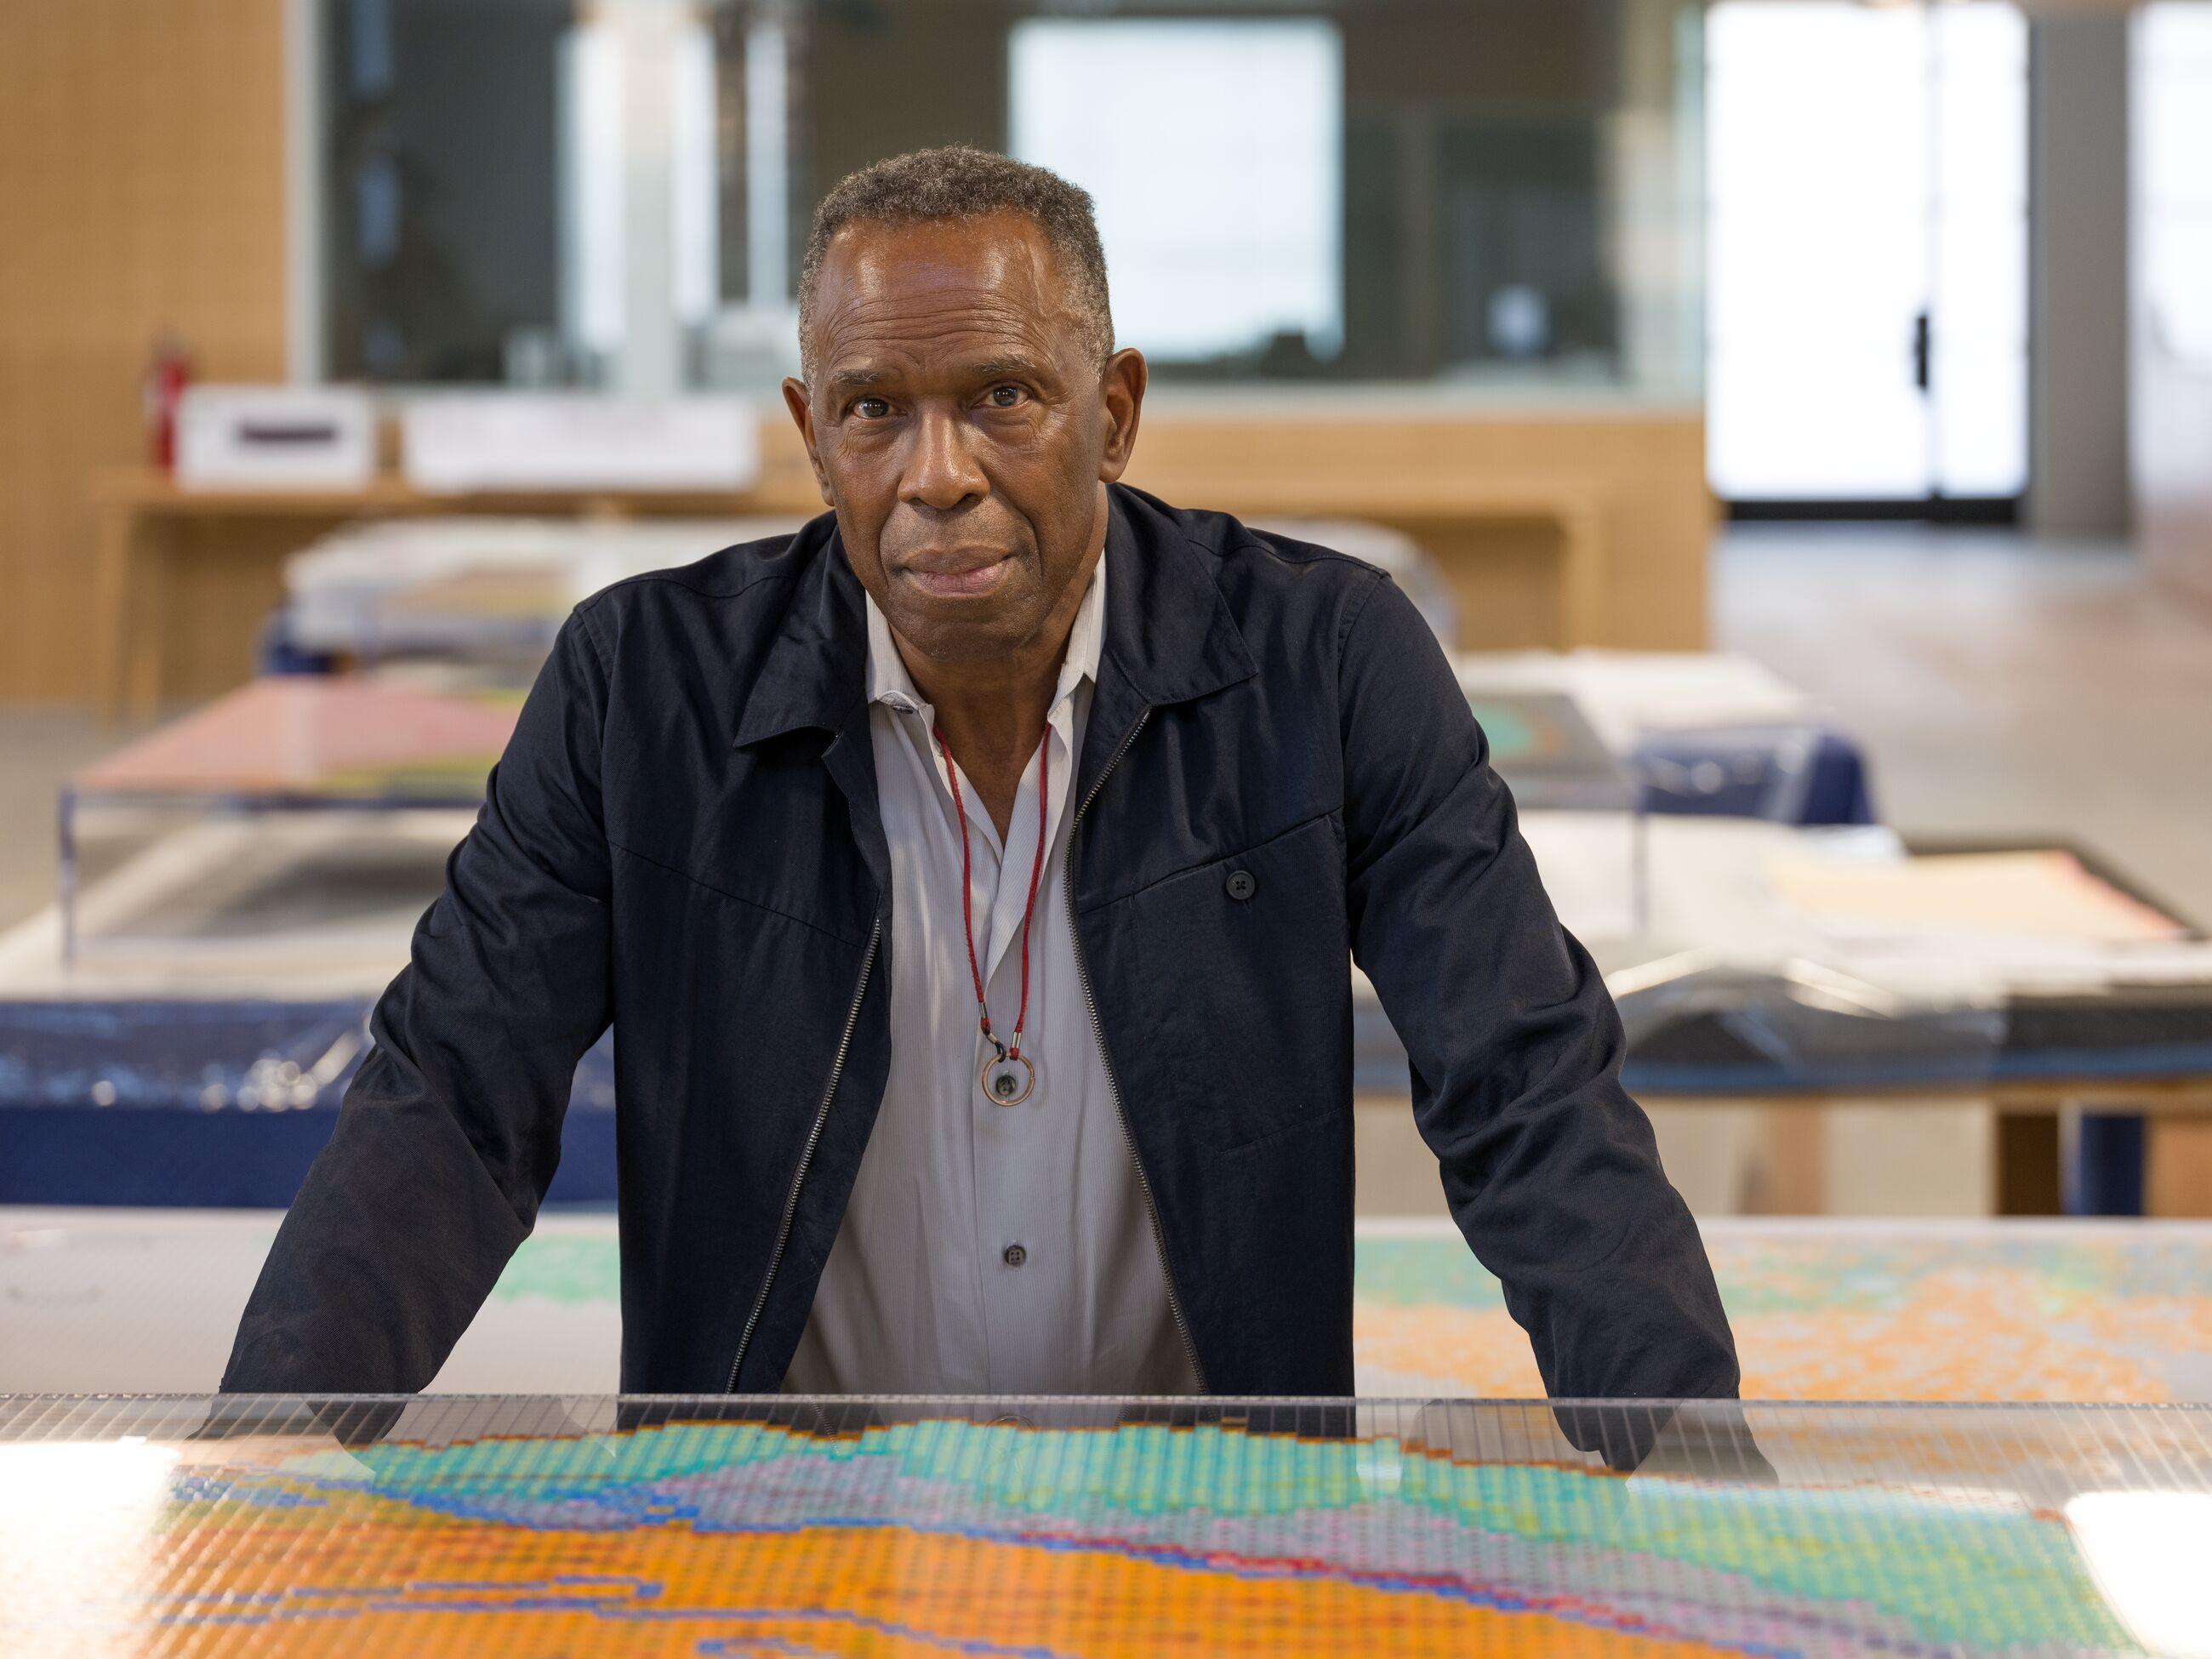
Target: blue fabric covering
{"points": [[198, 1108], [278, 652], [2107, 1174], [1789, 775], [211, 1104]]}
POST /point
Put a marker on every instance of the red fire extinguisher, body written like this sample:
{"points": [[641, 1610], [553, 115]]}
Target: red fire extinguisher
{"points": [[168, 372]]}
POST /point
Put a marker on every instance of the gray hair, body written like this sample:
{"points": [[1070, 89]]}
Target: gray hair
{"points": [[958, 181]]}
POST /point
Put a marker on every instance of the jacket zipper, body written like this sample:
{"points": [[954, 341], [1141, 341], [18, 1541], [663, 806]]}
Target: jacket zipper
{"points": [[1113, 1082], [807, 1157]]}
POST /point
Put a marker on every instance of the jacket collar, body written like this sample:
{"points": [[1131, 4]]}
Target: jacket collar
{"points": [[1170, 637], [813, 674], [1169, 633]]}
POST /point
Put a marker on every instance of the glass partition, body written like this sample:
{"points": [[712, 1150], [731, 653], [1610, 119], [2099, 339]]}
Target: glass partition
{"points": [[442, 255], [1459, 192]]}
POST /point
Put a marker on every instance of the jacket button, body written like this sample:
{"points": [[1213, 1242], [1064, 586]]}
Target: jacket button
{"points": [[1241, 885], [1013, 1255]]}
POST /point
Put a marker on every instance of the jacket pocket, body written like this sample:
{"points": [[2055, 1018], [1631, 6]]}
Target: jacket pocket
{"points": [[1226, 989]]}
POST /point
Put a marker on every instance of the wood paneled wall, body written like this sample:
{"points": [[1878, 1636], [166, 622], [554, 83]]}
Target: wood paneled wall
{"points": [[141, 188], [1644, 466]]}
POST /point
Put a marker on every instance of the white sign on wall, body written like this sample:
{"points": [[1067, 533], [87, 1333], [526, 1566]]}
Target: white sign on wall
{"points": [[276, 437], [458, 443]]}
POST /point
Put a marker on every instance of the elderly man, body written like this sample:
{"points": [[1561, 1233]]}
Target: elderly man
{"points": [[972, 879]]}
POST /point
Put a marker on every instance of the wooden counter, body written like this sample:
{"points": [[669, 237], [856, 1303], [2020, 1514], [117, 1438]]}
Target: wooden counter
{"points": [[1579, 526]]}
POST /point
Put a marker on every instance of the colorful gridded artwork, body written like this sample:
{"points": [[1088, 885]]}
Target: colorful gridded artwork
{"points": [[1835, 1311], [479, 1527], [146, 1300], [1954, 1312]]}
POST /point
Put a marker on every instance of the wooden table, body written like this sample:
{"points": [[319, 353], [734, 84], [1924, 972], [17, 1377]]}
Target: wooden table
{"points": [[142, 514], [2030, 1137]]}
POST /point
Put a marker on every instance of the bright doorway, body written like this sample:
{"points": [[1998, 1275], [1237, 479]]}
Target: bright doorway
{"points": [[1867, 254]]}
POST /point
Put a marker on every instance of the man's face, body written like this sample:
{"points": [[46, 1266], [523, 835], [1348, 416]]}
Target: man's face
{"points": [[961, 425]]}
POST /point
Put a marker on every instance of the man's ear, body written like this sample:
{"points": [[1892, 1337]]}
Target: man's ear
{"points": [[1121, 384], [802, 416]]}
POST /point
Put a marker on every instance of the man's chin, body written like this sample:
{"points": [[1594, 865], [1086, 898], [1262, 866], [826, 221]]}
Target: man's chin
{"points": [[959, 631]]}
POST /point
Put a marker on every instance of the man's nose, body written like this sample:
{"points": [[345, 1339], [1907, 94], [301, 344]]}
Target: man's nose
{"points": [[941, 473]]}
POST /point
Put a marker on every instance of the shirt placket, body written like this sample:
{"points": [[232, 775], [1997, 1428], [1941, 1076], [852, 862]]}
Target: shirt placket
{"points": [[952, 1064], [958, 1070], [1017, 1248]]}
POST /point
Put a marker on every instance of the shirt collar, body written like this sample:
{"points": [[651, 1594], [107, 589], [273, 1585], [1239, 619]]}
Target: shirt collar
{"points": [[890, 684]]}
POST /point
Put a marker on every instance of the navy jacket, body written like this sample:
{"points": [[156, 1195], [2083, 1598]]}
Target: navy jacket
{"points": [[1279, 773]]}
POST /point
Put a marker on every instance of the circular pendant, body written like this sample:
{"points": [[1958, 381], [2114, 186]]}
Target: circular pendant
{"points": [[1007, 1080]]}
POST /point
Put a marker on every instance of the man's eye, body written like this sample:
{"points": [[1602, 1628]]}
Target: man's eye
{"points": [[1005, 396], [871, 408]]}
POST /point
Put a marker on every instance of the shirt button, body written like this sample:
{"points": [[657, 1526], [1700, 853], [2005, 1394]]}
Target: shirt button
{"points": [[1013, 1255], [1241, 886]]}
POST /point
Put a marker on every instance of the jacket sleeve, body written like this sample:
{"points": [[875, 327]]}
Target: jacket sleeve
{"points": [[448, 1136], [1550, 1169]]}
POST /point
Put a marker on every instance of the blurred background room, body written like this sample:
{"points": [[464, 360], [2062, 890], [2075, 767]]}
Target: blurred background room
{"points": [[1794, 415]]}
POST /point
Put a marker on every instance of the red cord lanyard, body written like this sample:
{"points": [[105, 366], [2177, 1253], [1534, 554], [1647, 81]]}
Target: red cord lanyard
{"points": [[1003, 1090]]}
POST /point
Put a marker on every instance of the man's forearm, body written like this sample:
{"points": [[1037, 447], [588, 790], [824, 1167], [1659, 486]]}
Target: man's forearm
{"points": [[450, 1133], [395, 1240], [1550, 1169], [1559, 1191]]}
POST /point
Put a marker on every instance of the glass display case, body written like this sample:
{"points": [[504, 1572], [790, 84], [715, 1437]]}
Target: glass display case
{"points": [[785, 1525]]}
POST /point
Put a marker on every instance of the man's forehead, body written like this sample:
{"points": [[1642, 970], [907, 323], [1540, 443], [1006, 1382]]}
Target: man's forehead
{"points": [[972, 285]]}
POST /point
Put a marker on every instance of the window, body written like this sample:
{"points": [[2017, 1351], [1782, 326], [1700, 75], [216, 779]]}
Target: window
{"points": [[1223, 232], [441, 186], [2172, 60], [616, 194]]}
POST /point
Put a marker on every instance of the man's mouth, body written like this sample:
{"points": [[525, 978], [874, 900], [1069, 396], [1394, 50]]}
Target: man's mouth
{"points": [[956, 576]]}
